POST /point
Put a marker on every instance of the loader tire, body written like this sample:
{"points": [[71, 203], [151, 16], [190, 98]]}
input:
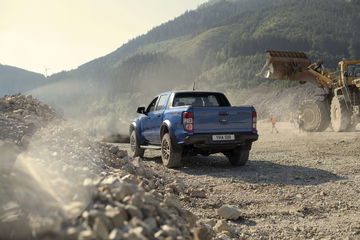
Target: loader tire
{"points": [[316, 115], [340, 115]]}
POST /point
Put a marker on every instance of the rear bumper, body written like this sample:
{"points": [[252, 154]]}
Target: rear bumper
{"points": [[204, 141]]}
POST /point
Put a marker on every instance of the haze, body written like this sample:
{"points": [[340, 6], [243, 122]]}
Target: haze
{"points": [[49, 36]]}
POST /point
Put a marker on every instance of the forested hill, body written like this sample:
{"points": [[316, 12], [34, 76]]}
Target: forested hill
{"points": [[222, 44], [16, 80]]}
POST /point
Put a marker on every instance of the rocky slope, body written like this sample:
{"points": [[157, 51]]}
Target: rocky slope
{"points": [[60, 184]]}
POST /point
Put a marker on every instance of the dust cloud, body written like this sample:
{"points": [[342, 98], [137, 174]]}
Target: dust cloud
{"points": [[280, 102], [85, 104], [49, 181]]}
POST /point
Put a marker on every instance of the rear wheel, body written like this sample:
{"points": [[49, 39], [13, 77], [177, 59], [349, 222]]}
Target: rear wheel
{"points": [[316, 115], [240, 155], [170, 154], [135, 150], [340, 115]]}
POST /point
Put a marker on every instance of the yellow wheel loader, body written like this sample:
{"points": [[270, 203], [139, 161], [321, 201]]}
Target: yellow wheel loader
{"points": [[340, 104]]}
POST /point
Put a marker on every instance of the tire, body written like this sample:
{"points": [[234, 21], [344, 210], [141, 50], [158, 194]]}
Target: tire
{"points": [[135, 150], [340, 115], [316, 115], [239, 157], [170, 155]]}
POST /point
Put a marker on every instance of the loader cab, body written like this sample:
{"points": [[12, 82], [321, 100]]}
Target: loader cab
{"points": [[350, 72]]}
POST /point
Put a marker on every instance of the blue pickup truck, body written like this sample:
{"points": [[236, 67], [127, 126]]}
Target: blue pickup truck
{"points": [[193, 122]]}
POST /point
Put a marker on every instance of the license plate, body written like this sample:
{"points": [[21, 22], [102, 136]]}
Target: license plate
{"points": [[227, 137]]}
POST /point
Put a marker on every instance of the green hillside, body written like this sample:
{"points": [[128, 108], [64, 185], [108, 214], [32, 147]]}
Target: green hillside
{"points": [[15, 80], [220, 46], [227, 39]]}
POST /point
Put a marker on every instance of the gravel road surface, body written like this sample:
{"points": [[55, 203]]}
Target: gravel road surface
{"points": [[295, 186]]}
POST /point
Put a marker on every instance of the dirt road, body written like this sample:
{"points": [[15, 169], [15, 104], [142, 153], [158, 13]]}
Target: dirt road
{"points": [[295, 186]]}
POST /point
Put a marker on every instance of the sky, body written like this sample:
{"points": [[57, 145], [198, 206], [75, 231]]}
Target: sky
{"points": [[49, 36]]}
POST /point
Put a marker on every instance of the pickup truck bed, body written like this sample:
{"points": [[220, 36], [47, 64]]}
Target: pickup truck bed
{"points": [[184, 123]]}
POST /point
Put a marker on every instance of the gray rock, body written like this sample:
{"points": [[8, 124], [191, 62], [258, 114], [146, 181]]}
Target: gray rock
{"points": [[114, 149], [141, 226], [115, 234], [197, 193], [151, 222], [137, 200], [170, 231], [129, 178], [161, 234], [189, 217], [121, 153], [110, 181], [74, 209], [203, 233], [117, 216], [100, 229], [222, 226], [133, 212], [134, 235], [172, 201], [177, 187], [72, 233], [86, 235], [125, 189], [229, 212], [222, 236]]}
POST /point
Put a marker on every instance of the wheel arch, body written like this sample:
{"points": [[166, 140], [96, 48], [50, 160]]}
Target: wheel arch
{"points": [[165, 128], [132, 127]]}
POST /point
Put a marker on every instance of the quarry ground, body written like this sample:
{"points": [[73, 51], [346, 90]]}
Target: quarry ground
{"points": [[295, 186], [58, 183]]}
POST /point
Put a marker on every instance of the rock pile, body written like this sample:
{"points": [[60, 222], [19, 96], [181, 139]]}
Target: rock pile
{"points": [[69, 186], [21, 116]]}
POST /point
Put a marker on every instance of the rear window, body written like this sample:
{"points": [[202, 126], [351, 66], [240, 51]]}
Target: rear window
{"points": [[198, 99]]}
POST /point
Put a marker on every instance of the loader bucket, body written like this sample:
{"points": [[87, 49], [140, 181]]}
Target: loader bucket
{"points": [[286, 66]]}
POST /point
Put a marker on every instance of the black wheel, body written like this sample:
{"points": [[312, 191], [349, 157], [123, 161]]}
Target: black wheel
{"points": [[171, 156], [340, 115], [135, 150], [239, 157], [316, 115]]}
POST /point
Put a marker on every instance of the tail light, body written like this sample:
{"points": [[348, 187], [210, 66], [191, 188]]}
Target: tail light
{"points": [[188, 121], [254, 120]]}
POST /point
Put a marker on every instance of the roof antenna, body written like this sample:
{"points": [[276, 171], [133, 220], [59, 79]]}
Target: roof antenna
{"points": [[194, 86]]}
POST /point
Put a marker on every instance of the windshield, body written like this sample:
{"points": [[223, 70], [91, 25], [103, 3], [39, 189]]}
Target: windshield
{"points": [[198, 99], [354, 70]]}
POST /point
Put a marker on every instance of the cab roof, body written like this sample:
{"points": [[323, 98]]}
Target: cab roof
{"points": [[189, 91]]}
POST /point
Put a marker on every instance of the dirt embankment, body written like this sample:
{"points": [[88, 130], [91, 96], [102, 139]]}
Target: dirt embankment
{"points": [[60, 184]]}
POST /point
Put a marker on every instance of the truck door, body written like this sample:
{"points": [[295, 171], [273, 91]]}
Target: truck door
{"points": [[145, 121], [154, 120]]}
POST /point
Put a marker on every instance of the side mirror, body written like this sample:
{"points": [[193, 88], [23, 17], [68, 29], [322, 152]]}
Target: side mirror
{"points": [[141, 110]]}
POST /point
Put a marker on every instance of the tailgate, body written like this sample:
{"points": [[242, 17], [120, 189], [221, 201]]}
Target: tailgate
{"points": [[223, 119]]}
